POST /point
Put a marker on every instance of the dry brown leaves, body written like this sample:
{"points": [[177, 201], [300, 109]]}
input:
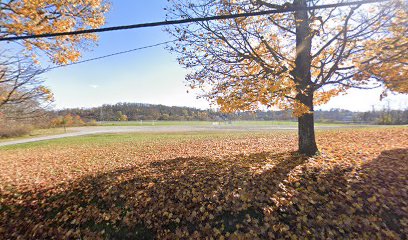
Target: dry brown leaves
{"points": [[246, 187]]}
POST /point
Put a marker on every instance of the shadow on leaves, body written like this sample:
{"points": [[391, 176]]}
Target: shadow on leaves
{"points": [[254, 195]]}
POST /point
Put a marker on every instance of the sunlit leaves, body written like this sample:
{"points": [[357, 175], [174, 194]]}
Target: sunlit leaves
{"points": [[386, 58], [246, 63], [226, 187], [23, 17]]}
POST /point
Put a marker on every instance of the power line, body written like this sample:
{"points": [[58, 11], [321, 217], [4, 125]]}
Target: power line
{"points": [[191, 20], [111, 55]]}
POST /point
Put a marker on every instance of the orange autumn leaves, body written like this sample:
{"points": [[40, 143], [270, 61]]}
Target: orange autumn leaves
{"points": [[386, 58], [227, 187], [27, 17], [246, 63]]}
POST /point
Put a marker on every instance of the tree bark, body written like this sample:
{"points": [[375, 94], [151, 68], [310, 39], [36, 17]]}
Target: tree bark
{"points": [[306, 131], [303, 79]]}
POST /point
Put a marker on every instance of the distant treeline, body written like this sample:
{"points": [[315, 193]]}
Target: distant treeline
{"points": [[141, 111]]}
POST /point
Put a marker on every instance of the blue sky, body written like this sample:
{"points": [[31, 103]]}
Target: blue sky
{"points": [[150, 75]]}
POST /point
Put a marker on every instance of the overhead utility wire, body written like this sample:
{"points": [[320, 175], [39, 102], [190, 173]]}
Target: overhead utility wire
{"points": [[111, 55], [192, 20]]}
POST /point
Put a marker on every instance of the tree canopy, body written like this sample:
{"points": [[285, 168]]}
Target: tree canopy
{"points": [[385, 58], [21, 89], [21, 17], [247, 62]]}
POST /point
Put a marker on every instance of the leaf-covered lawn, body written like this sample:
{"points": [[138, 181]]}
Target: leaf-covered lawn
{"points": [[249, 186]]}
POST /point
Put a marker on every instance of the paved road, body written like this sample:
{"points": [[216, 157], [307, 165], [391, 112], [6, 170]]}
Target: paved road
{"points": [[81, 131]]}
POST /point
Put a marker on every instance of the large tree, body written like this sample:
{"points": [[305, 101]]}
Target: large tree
{"points": [[290, 60]]}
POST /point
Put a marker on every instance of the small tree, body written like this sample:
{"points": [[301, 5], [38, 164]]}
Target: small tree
{"points": [[22, 93], [291, 61], [121, 117]]}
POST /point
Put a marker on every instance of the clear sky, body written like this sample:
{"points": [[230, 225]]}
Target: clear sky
{"points": [[150, 75]]}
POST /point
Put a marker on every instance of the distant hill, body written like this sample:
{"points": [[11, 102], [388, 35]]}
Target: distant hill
{"points": [[142, 111]]}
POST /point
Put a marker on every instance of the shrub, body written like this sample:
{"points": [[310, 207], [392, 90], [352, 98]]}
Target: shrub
{"points": [[12, 129], [93, 122]]}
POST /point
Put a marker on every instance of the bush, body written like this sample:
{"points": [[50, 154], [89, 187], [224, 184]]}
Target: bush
{"points": [[10, 129], [92, 123]]}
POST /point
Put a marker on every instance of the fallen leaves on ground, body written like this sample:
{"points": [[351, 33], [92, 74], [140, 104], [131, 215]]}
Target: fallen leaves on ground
{"points": [[232, 187]]}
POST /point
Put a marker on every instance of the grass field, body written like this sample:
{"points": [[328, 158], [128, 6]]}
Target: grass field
{"points": [[207, 123], [56, 131], [208, 184], [162, 126]]}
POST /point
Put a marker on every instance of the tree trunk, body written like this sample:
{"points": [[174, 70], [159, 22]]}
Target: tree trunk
{"points": [[303, 79], [307, 139]]}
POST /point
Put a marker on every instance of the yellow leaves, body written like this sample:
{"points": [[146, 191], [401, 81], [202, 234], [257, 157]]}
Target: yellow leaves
{"points": [[67, 56], [385, 58], [49, 16], [253, 70], [323, 97], [248, 93], [372, 199], [300, 109]]}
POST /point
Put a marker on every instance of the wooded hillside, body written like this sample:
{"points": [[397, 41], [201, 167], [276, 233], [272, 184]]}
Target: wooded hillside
{"points": [[142, 111]]}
